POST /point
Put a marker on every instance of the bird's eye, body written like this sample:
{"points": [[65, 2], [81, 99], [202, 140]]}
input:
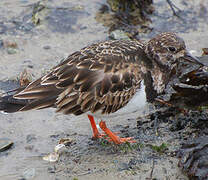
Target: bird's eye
{"points": [[172, 49]]}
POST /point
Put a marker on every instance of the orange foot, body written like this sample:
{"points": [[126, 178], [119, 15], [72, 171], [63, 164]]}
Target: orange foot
{"points": [[113, 137], [96, 134]]}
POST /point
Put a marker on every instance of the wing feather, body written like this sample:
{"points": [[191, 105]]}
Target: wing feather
{"points": [[91, 79]]}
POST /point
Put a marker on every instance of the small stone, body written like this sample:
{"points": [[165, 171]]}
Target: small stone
{"points": [[27, 27], [24, 1], [29, 173], [9, 44], [5, 144], [27, 61], [1, 43], [115, 161], [47, 47], [29, 147], [11, 51], [30, 138], [51, 169], [30, 66], [3, 29], [132, 163], [118, 34], [123, 166]]}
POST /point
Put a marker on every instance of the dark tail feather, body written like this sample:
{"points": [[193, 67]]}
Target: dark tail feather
{"points": [[9, 104], [34, 96]]}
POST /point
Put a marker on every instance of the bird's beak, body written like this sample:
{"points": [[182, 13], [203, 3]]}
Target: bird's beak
{"points": [[188, 57]]}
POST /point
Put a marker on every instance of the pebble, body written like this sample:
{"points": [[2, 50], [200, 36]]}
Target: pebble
{"points": [[123, 166], [9, 44], [29, 173], [2, 29], [52, 169], [24, 1], [30, 66], [30, 138], [5, 144], [11, 51], [118, 34], [47, 47], [1, 43], [29, 147], [27, 27]]}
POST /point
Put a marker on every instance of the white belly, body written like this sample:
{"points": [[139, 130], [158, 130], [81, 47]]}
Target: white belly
{"points": [[137, 103]]}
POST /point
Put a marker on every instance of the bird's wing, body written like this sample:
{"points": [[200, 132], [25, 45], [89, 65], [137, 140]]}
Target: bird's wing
{"points": [[103, 76]]}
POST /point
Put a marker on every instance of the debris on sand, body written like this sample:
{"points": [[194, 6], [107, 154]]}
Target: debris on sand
{"points": [[130, 16], [38, 14], [52, 157], [58, 150], [25, 78], [9, 44], [118, 35], [5, 144], [160, 149], [193, 157], [204, 51], [66, 141]]}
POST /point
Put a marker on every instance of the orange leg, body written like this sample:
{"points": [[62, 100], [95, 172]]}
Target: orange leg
{"points": [[113, 137], [96, 133]]}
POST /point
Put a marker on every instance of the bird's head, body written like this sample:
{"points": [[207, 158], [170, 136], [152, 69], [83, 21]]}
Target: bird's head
{"points": [[167, 50]]}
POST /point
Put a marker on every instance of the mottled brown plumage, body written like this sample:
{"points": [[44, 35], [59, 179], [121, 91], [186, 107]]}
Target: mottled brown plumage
{"points": [[104, 76]]}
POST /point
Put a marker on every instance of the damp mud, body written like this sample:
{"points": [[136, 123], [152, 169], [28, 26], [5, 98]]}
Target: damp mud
{"points": [[36, 36]]}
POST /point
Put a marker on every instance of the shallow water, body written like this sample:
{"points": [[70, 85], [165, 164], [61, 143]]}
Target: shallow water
{"points": [[35, 133]]}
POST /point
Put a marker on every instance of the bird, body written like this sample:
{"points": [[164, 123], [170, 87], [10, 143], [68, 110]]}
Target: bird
{"points": [[105, 79]]}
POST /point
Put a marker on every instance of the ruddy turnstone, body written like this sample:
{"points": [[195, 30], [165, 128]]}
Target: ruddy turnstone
{"points": [[105, 79]]}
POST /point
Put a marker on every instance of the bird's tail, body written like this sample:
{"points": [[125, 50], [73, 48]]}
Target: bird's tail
{"points": [[9, 104], [33, 96]]}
